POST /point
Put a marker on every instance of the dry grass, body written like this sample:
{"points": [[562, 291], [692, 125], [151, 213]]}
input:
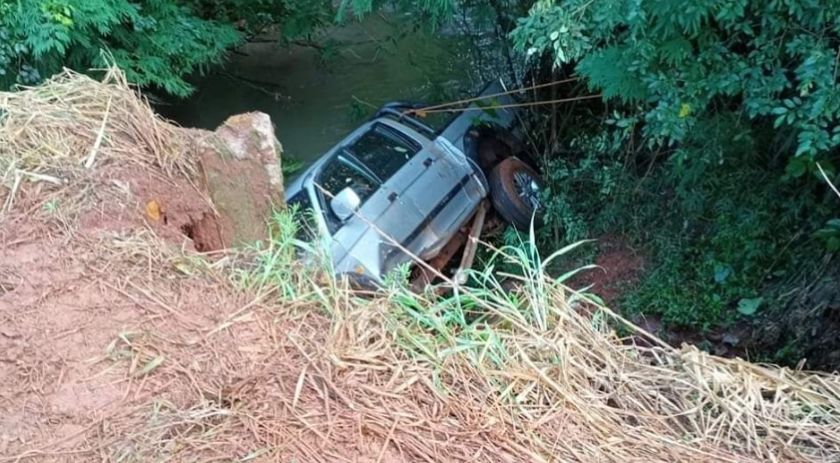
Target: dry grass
{"points": [[251, 357], [56, 133], [269, 380], [341, 378]]}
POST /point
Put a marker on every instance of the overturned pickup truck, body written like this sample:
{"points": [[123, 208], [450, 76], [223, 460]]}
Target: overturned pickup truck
{"points": [[396, 190]]}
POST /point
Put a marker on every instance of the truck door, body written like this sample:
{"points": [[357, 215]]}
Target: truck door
{"points": [[425, 185], [387, 220]]}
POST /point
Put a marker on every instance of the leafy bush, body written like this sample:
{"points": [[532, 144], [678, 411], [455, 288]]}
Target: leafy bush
{"points": [[157, 43], [720, 236], [736, 106], [830, 234], [680, 62], [579, 183], [712, 259]]}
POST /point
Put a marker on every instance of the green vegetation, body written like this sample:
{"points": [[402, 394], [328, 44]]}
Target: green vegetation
{"points": [[678, 67], [718, 119], [710, 151], [714, 238], [157, 43]]}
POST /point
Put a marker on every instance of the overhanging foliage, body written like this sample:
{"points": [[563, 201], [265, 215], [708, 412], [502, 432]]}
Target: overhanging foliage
{"points": [[156, 42], [681, 61]]}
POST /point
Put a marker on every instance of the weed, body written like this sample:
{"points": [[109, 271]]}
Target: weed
{"points": [[291, 166], [51, 207]]}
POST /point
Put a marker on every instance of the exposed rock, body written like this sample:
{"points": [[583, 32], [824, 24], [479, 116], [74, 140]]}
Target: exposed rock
{"points": [[249, 137], [240, 169]]}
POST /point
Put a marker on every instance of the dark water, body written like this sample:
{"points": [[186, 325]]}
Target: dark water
{"points": [[315, 96]]}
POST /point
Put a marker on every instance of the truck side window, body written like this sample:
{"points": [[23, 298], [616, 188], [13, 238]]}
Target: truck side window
{"points": [[383, 151], [338, 174]]}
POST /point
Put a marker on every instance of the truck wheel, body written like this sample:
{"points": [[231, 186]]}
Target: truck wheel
{"points": [[515, 193]]}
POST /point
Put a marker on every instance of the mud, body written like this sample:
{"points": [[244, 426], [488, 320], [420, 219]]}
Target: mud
{"points": [[620, 267], [182, 214]]}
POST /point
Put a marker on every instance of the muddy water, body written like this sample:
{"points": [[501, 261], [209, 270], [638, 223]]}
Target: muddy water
{"points": [[316, 96]]}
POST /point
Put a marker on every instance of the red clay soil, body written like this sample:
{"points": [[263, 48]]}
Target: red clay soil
{"points": [[621, 267], [67, 294], [79, 326], [116, 347], [172, 207]]}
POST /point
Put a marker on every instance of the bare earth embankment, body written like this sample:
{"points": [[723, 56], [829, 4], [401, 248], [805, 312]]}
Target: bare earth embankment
{"points": [[119, 342]]}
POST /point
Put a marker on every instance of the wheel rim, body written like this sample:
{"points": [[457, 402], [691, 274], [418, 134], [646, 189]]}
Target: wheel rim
{"points": [[527, 188]]}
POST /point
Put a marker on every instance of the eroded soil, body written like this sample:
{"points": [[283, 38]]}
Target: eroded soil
{"points": [[620, 266], [119, 343]]}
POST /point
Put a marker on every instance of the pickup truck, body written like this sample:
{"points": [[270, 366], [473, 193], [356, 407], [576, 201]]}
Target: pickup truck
{"points": [[396, 190]]}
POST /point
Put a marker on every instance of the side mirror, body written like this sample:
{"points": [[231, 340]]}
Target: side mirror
{"points": [[345, 203]]}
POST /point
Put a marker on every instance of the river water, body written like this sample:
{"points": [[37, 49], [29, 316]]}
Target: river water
{"points": [[316, 96]]}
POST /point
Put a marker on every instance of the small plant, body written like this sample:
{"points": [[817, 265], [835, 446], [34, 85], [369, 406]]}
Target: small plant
{"points": [[276, 262], [52, 207], [291, 166], [830, 235]]}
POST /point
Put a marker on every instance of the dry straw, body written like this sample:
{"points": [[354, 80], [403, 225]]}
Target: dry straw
{"points": [[55, 132], [337, 376]]}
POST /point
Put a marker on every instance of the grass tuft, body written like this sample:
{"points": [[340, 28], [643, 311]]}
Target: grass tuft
{"points": [[538, 353]]}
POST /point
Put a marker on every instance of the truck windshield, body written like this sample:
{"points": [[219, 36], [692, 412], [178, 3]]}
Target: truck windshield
{"points": [[383, 151]]}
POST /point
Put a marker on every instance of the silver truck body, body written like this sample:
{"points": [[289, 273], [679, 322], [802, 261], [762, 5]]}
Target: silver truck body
{"points": [[415, 187]]}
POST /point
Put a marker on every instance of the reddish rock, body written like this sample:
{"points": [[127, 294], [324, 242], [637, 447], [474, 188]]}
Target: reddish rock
{"points": [[240, 170]]}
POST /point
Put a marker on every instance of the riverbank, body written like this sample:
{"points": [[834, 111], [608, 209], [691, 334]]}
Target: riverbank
{"points": [[120, 344]]}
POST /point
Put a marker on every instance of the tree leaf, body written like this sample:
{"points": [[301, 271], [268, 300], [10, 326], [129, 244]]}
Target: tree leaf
{"points": [[749, 306], [796, 167], [722, 272]]}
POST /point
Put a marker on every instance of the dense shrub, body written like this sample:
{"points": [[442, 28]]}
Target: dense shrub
{"points": [[736, 105], [680, 62], [157, 42]]}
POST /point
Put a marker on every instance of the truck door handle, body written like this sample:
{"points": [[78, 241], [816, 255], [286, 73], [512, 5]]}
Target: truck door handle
{"points": [[392, 197], [428, 162]]}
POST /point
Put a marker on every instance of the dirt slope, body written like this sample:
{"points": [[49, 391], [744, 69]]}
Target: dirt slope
{"points": [[118, 346], [119, 342]]}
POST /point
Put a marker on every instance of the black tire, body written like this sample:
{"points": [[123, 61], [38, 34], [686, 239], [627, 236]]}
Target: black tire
{"points": [[513, 195]]}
